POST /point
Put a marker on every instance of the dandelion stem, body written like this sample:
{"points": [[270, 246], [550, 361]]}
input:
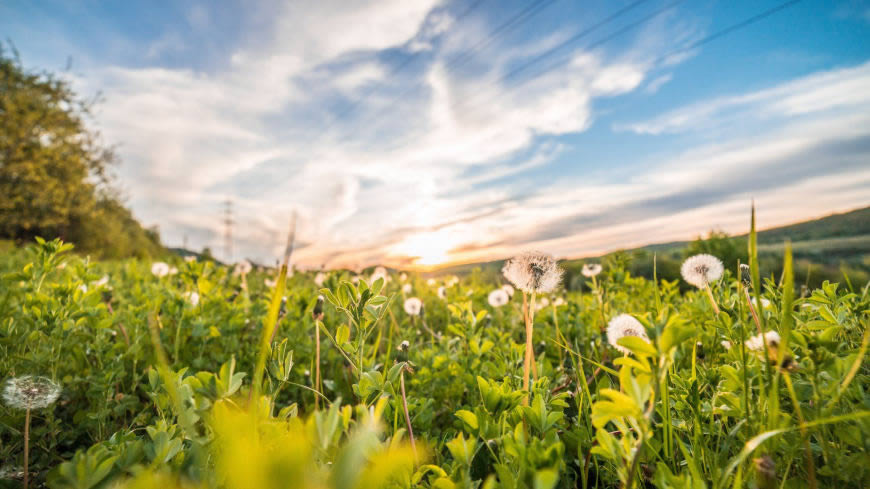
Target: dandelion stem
{"points": [[811, 468], [712, 300], [407, 416], [527, 360], [317, 365], [27, 448]]}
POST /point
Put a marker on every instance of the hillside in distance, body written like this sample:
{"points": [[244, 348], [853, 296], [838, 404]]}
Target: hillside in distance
{"points": [[823, 248]]}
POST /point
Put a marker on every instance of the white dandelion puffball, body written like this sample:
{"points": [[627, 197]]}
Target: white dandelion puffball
{"points": [[533, 271], [192, 297], [104, 280], [442, 292], [380, 272], [406, 289], [622, 326], [431, 282], [83, 288], [559, 302], [453, 280], [159, 269], [590, 269], [269, 283], [756, 343], [243, 267], [765, 303], [544, 302], [509, 289], [190, 258], [413, 306], [30, 392], [404, 345], [173, 271], [726, 344], [701, 270], [403, 276], [319, 279], [498, 298]]}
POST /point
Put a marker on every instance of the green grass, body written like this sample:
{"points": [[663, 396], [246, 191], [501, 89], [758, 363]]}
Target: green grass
{"points": [[159, 392]]}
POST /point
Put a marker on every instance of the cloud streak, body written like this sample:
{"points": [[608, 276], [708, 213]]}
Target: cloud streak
{"points": [[460, 167]]}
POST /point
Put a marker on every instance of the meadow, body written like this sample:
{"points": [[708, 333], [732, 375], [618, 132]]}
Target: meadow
{"points": [[191, 374]]}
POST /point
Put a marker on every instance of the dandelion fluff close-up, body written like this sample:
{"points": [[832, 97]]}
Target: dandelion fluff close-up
{"points": [[622, 326]]}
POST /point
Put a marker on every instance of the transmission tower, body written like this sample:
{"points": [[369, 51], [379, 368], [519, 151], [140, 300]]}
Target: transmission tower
{"points": [[228, 230]]}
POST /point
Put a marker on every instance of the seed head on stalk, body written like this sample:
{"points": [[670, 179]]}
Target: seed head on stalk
{"points": [[159, 269], [498, 298], [590, 269], [30, 392], [533, 272], [413, 306], [700, 271], [622, 326]]}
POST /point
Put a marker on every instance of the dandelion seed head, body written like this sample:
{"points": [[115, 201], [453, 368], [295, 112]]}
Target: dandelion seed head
{"points": [[269, 282], [320, 278], [509, 289], [406, 289], [756, 343], [533, 271], [726, 344], [622, 326], [192, 297], [413, 306], [498, 298], [160, 269], [559, 302], [701, 270], [102, 281], [403, 276], [380, 272], [431, 282], [442, 292], [404, 345], [30, 392], [11, 472], [243, 267], [590, 269]]}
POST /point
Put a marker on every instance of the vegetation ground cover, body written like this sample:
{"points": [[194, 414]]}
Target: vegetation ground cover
{"points": [[193, 374]]}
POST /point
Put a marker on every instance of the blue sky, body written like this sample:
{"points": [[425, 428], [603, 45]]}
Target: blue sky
{"points": [[420, 132]]}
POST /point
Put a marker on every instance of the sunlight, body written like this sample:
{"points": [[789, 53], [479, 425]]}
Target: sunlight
{"points": [[427, 249]]}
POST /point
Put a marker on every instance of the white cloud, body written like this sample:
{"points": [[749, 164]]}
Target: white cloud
{"points": [[436, 160]]}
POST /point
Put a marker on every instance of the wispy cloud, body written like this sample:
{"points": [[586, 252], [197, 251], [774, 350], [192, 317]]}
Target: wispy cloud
{"points": [[303, 116]]}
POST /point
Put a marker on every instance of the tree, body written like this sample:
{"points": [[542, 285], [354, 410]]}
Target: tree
{"points": [[55, 178]]}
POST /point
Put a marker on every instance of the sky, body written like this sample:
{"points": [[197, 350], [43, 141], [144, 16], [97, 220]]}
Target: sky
{"points": [[414, 133]]}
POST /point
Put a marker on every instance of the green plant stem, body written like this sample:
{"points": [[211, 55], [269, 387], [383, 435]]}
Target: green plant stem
{"points": [[407, 416], [27, 448], [811, 468]]}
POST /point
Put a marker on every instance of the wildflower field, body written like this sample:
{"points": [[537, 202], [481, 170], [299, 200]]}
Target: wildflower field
{"points": [[191, 374]]}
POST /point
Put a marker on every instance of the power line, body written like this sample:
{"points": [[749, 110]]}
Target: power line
{"points": [[728, 30], [396, 70], [519, 18], [516, 20], [610, 37]]}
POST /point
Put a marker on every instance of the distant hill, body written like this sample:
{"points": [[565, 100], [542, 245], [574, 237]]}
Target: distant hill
{"points": [[828, 242]]}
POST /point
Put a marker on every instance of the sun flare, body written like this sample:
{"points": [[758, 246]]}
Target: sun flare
{"points": [[427, 249]]}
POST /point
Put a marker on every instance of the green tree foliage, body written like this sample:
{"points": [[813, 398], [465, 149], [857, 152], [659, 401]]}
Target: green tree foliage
{"points": [[55, 173]]}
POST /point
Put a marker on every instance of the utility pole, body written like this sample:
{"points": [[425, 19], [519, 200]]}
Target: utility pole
{"points": [[228, 230]]}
